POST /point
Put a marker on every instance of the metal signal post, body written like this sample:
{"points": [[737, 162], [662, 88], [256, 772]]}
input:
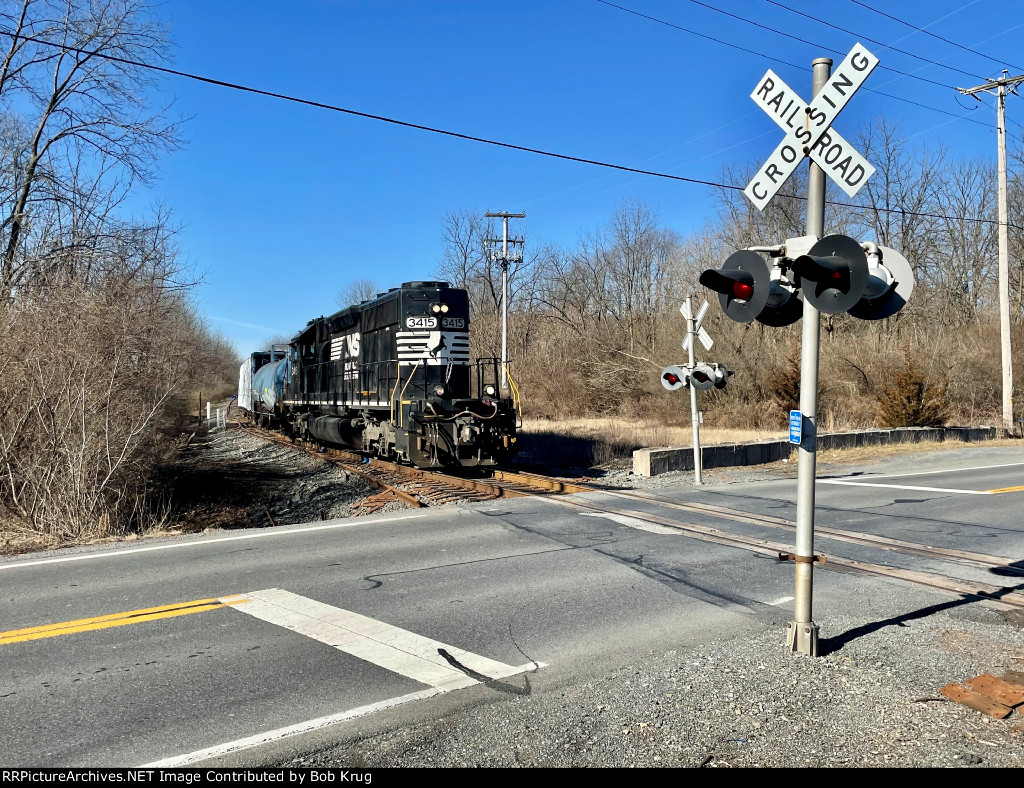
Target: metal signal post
{"points": [[691, 334], [802, 632], [504, 260]]}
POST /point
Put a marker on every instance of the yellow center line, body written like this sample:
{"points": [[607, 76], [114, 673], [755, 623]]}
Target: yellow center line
{"points": [[115, 620], [1018, 488]]}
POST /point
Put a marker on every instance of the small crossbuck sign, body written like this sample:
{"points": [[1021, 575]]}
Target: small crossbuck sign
{"points": [[808, 129], [702, 335]]}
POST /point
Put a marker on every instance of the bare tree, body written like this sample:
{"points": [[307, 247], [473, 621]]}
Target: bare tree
{"points": [[356, 291], [81, 107]]}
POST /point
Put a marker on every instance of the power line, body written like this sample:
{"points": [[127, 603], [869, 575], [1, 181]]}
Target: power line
{"points": [[794, 65], [816, 44], [449, 133], [874, 41], [936, 36]]}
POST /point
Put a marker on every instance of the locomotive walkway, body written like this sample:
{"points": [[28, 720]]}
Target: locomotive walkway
{"points": [[598, 628]]}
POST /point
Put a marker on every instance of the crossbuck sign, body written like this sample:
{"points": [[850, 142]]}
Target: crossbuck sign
{"points": [[808, 131], [701, 332]]}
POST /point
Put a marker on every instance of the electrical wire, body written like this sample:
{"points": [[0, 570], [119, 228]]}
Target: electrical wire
{"points": [[458, 135], [936, 36], [874, 41], [794, 65], [842, 54]]}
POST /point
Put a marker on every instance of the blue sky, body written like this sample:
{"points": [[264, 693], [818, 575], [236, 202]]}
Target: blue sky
{"points": [[281, 205]]}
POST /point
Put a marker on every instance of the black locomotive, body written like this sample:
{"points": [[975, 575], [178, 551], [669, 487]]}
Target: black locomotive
{"points": [[391, 377]]}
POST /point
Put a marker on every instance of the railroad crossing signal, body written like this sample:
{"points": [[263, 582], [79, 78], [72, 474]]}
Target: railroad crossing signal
{"points": [[700, 377], [808, 131], [835, 274]]}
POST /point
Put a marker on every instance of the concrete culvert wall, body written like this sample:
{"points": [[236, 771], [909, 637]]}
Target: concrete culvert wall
{"points": [[652, 462]]}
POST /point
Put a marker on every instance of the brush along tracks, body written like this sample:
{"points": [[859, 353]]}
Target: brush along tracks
{"points": [[418, 488]]}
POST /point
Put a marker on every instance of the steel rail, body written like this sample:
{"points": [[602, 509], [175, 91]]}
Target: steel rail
{"points": [[1004, 597], [838, 534]]}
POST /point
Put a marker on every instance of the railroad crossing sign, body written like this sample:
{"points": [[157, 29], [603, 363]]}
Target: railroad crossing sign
{"points": [[702, 335], [808, 131]]}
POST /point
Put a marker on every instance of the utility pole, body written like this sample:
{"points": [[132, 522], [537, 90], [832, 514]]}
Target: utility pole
{"points": [[1000, 87], [505, 258]]}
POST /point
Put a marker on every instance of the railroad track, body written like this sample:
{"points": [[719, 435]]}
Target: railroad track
{"points": [[418, 488]]}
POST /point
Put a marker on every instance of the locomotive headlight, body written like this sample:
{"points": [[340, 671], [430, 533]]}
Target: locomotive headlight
{"points": [[490, 390], [444, 307], [440, 391], [435, 308]]}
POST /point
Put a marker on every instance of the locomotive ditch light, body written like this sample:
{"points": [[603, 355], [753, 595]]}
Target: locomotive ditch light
{"points": [[490, 390], [890, 283], [833, 274], [440, 391], [742, 283]]}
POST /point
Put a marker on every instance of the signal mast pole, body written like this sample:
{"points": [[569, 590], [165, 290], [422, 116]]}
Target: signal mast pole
{"points": [[802, 632], [504, 260], [999, 86], [691, 334]]}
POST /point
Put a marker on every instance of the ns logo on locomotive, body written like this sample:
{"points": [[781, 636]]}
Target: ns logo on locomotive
{"points": [[391, 376]]}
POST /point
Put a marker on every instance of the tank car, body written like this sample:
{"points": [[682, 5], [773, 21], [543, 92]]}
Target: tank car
{"points": [[393, 377]]}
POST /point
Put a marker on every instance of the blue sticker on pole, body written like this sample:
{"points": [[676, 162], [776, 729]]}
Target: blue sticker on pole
{"points": [[796, 426]]}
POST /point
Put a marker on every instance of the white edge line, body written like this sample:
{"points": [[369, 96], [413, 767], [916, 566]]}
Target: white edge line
{"points": [[905, 487], [321, 722], [201, 542], [931, 473]]}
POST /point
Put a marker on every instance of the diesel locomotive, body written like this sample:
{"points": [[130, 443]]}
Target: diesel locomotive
{"points": [[391, 377]]}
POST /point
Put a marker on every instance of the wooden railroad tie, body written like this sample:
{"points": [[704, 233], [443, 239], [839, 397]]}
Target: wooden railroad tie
{"points": [[995, 697]]}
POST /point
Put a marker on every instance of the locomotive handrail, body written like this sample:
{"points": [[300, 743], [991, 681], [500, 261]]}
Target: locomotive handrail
{"points": [[402, 395], [516, 399]]}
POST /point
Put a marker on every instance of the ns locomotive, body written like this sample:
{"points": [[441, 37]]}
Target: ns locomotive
{"points": [[392, 377]]}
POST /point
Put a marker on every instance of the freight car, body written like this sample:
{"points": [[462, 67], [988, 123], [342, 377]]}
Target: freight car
{"points": [[392, 377]]}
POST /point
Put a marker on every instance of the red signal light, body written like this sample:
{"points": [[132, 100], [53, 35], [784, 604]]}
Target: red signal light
{"points": [[672, 378], [742, 291]]}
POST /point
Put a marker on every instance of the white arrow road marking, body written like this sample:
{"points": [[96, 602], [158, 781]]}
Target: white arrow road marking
{"points": [[387, 646], [906, 487], [874, 476], [633, 522]]}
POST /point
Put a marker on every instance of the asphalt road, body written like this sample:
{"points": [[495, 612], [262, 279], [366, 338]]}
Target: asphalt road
{"points": [[422, 609]]}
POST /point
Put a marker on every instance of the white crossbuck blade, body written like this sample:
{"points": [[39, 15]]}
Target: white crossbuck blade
{"points": [[808, 131], [703, 336]]}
